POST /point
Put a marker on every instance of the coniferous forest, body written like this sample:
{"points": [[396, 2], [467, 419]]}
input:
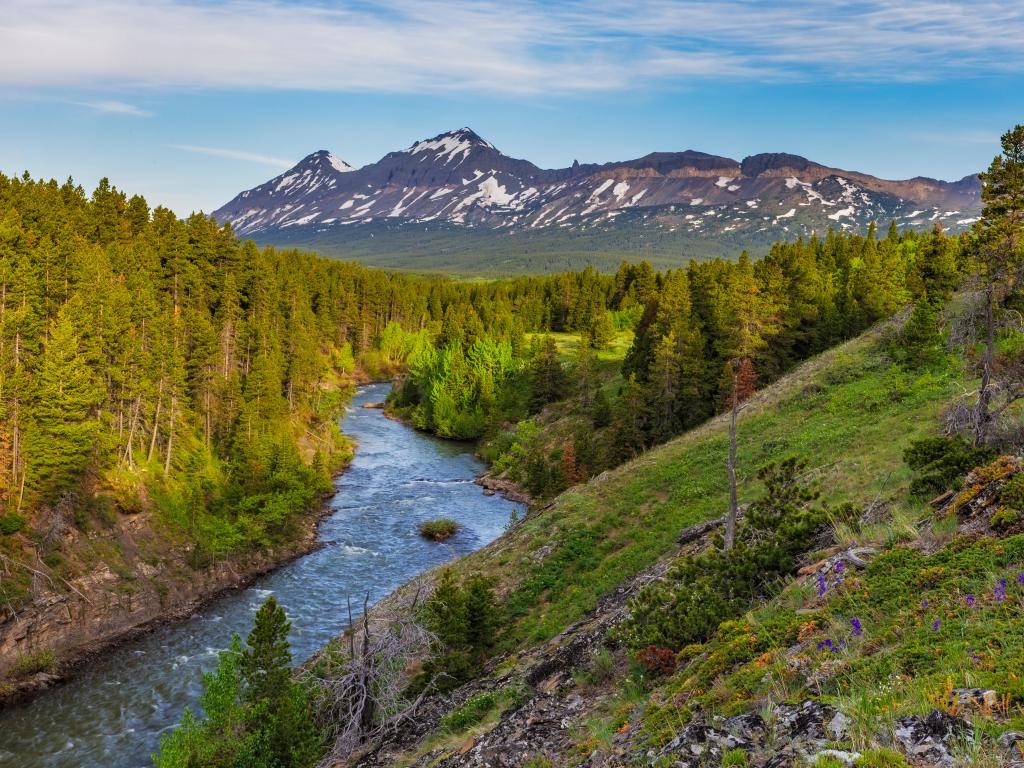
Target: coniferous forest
{"points": [[152, 361]]}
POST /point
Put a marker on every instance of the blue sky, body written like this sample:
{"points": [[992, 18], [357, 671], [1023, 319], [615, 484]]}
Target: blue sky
{"points": [[190, 101]]}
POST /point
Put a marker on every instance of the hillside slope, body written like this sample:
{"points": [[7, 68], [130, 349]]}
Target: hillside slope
{"points": [[563, 692]]}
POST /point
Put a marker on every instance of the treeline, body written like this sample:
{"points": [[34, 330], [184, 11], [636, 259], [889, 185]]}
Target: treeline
{"points": [[799, 300], [699, 331]]}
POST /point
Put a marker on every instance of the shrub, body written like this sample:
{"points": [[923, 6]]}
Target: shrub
{"points": [[32, 663], [463, 617], [1012, 494], [705, 589], [441, 529], [1004, 518], [656, 660], [10, 523], [470, 713], [941, 463]]}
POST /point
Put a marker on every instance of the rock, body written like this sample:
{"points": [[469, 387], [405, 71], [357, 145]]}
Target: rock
{"points": [[975, 699], [933, 738], [700, 744], [805, 725], [1011, 739], [750, 727], [373, 406]]}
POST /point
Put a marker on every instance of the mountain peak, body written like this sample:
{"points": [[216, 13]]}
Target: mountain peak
{"points": [[324, 157], [451, 146]]}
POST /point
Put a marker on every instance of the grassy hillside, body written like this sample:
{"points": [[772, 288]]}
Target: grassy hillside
{"points": [[917, 639], [849, 411]]}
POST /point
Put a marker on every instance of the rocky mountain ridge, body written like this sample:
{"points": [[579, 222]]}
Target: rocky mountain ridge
{"points": [[460, 181]]}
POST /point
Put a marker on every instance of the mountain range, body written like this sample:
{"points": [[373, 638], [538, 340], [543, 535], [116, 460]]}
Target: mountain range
{"points": [[455, 201]]}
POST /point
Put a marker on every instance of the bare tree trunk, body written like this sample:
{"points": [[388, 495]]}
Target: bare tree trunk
{"points": [[156, 424], [170, 438], [730, 518], [983, 417], [129, 453]]}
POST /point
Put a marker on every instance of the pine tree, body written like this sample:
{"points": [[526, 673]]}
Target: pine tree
{"points": [[921, 339], [65, 428], [548, 382]]}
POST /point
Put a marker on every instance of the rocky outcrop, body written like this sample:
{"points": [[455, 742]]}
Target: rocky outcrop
{"points": [[70, 621]]}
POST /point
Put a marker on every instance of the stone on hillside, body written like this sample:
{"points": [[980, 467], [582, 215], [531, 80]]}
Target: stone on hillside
{"points": [[933, 739]]}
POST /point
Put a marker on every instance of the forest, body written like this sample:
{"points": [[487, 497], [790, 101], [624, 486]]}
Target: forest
{"points": [[148, 360]]}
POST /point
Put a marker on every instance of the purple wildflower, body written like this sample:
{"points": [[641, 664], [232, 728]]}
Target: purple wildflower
{"points": [[1020, 578], [821, 585], [1000, 591], [925, 603], [857, 629], [840, 565], [935, 625], [970, 601]]}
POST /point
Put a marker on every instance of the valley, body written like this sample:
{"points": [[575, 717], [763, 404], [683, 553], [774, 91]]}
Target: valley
{"points": [[112, 713]]}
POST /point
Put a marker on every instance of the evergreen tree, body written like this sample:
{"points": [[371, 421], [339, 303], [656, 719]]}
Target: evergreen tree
{"points": [[548, 382]]}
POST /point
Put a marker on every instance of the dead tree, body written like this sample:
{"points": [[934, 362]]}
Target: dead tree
{"points": [[361, 688], [744, 379]]}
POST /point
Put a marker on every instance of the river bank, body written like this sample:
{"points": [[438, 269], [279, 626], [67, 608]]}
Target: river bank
{"points": [[112, 711], [146, 611]]}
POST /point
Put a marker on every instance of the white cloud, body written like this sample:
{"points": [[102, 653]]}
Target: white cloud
{"points": [[114, 108], [504, 46], [235, 154]]}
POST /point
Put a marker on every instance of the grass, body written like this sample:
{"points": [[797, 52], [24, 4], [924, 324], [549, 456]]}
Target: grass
{"points": [[31, 664], [441, 529], [848, 411]]}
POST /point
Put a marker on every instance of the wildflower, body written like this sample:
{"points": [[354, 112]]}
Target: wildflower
{"points": [[840, 565], [970, 601], [936, 625], [1000, 591], [857, 629], [925, 603], [821, 585], [1020, 578]]}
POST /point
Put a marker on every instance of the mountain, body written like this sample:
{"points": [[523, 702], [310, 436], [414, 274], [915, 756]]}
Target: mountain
{"points": [[456, 192]]}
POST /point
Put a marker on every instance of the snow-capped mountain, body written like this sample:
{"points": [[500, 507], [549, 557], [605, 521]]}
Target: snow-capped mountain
{"points": [[461, 181]]}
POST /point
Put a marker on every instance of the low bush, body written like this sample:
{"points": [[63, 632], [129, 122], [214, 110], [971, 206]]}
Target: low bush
{"points": [[33, 663], [470, 713], [10, 523], [441, 529], [941, 463], [463, 618], [703, 590]]}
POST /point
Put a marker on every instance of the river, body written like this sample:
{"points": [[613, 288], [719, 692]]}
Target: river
{"points": [[111, 715]]}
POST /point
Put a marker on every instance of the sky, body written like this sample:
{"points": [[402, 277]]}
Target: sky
{"points": [[188, 102]]}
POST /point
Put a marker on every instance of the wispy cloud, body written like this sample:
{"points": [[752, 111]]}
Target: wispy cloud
{"points": [[235, 154], [114, 108], [501, 46]]}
